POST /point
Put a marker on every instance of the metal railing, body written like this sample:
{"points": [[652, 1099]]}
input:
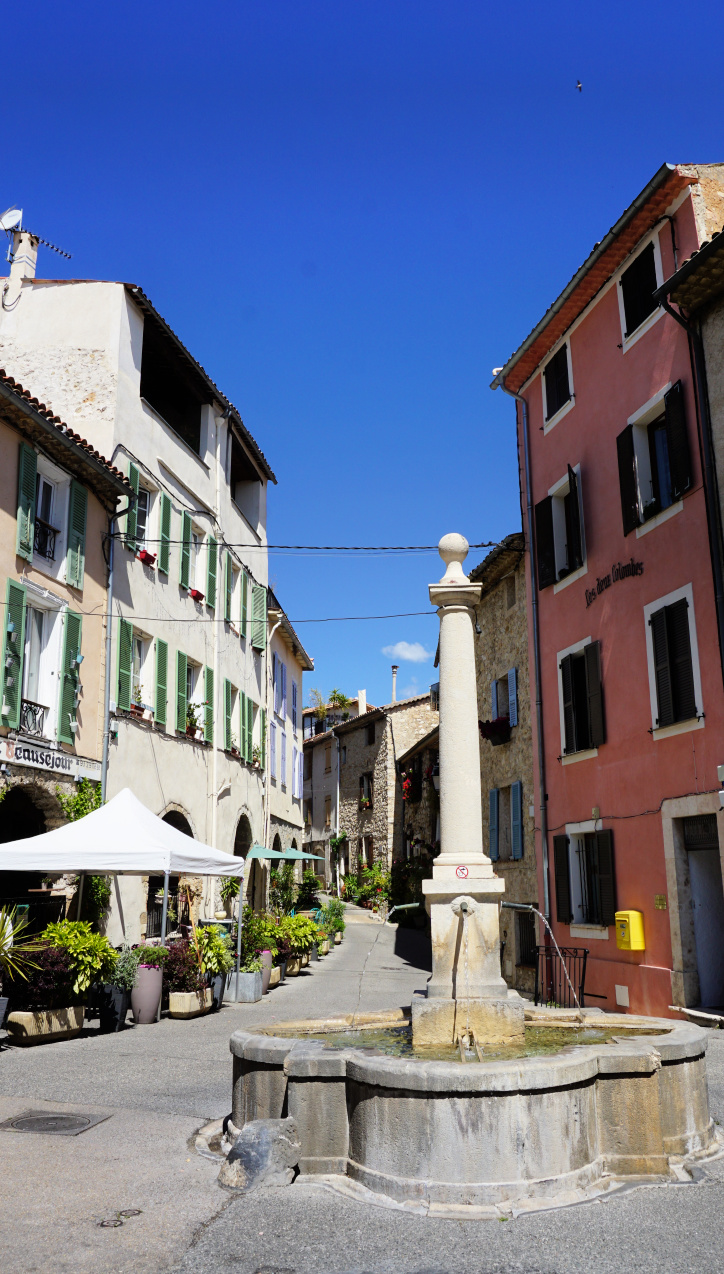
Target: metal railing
{"points": [[44, 541], [551, 983], [32, 717]]}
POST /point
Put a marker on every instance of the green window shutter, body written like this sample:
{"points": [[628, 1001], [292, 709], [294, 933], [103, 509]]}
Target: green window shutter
{"points": [[185, 549], [258, 617], [164, 550], [130, 538], [228, 587], [244, 601], [13, 651], [243, 743], [161, 681], [181, 662], [209, 705], [212, 558], [125, 664], [77, 517], [227, 714], [69, 677], [262, 738], [250, 730], [27, 479]]}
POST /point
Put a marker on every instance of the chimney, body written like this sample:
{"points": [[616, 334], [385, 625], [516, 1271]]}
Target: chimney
{"points": [[395, 668], [361, 702], [24, 264]]}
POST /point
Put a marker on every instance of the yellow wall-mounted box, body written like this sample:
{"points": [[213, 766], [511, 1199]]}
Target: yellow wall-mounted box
{"points": [[630, 930]]}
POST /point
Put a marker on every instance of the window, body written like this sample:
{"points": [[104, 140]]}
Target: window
{"points": [[272, 749], [307, 813], [140, 650], [283, 759], [585, 878], [174, 391], [505, 822], [45, 529], [675, 694], [365, 791], [435, 697], [559, 531], [197, 575], [638, 284], [279, 678], [556, 382], [510, 592], [344, 754], [295, 719], [654, 461], [327, 758], [527, 951], [369, 851], [415, 773], [143, 505], [308, 756], [327, 812], [504, 697], [581, 699], [370, 733], [34, 643]]}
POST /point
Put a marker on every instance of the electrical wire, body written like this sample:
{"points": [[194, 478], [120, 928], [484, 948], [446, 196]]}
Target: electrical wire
{"points": [[132, 617], [319, 548], [614, 818]]}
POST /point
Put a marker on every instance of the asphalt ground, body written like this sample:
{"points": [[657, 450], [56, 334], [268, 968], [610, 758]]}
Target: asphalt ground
{"points": [[161, 1083]]}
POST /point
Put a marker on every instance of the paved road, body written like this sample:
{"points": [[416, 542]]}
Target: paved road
{"points": [[161, 1083]]}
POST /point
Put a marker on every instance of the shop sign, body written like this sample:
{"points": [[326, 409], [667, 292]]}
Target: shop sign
{"points": [[619, 571], [17, 752]]}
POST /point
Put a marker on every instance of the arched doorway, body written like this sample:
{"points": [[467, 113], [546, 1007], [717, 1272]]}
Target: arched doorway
{"points": [[176, 819], [154, 902], [255, 875], [21, 816], [277, 844]]}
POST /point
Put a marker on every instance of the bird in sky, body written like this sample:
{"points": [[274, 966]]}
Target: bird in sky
{"points": [[579, 86]]}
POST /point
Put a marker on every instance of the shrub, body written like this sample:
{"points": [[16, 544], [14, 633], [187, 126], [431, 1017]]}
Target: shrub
{"points": [[214, 949], [152, 957], [181, 970], [300, 933], [332, 916], [123, 974], [281, 889], [15, 957], [308, 890], [91, 956], [49, 984], [229, 888]]}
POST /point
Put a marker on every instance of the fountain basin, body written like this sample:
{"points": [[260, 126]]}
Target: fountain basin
{"points": [[498, 1134]]}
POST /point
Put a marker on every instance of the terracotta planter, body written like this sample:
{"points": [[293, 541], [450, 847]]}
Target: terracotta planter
{"points": [[294, 965], [146, 994], [275, 976], [189, 1003], [266, 962], [45, 1025], [337, 939]]}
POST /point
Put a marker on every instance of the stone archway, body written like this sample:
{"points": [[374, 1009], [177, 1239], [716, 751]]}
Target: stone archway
{"points": [[21, 816], [176, 819], [243, 842], [277, 844]]}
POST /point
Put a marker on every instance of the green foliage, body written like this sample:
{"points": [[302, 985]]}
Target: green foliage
{"points": [[99, 890], [229, 888], [332, 916], [407, 877], [319, 703], [123, 974], [252, 965], [91, 956], [374, 885], [15, 961], [152, 957], [335, 844], [308, 890], [85, 799], [338, 699], [281, 889], [214, 946], [299, 932]]}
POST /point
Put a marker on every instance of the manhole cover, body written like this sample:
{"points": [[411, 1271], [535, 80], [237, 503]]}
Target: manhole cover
{"points": [[57, 1122]]}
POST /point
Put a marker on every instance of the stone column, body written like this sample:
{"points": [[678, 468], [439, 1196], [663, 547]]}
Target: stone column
{"points": [[464, 893]]}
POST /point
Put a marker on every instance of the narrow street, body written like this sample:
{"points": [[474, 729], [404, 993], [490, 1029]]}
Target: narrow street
{"points": [[158, 1085]]}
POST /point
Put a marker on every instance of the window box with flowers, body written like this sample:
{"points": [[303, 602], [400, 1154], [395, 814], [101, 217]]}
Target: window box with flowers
{"points": [[365, 803], [148, 559], [497, 731], [193, 723]]}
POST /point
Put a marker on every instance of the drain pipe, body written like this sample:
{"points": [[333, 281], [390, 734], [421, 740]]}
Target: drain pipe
{"points": [[536, 652]]}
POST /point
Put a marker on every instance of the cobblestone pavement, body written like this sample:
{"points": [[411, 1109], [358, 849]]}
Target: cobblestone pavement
{"points": [[161, 1083]]}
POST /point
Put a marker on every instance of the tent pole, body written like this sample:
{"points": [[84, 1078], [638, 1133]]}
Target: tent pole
{"points": [[238, 933], [164, 916], [80, 893]]}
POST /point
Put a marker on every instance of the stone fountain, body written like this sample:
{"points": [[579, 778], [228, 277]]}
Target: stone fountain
{"points": [[459, 1137]]}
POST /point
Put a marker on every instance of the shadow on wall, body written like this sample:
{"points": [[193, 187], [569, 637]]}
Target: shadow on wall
{"points": [[414, 947]]}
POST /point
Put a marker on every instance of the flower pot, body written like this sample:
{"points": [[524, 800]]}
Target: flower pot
{"points": [[191, 731], [113, 1005], [305, 959], [282, 972], [248, 991], [218, 985], [190, 1003], [325, 947], [45, 1025], [337, 939], [275, 976], [146, 994], [266, 960], [314, 953], [294, 964], [220, 915], [3, 1008]]}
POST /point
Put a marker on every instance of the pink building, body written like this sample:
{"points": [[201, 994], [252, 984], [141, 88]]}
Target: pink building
{"points": [[624, 585]]}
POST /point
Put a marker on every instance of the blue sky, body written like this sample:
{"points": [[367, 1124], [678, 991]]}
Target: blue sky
{"points": [[350, 212]]}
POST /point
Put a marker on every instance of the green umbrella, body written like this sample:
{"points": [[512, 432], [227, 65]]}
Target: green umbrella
{"points": [[294, 854]]}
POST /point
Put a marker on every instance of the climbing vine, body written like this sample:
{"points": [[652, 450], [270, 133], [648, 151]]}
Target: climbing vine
{"points": [[85, 799]]}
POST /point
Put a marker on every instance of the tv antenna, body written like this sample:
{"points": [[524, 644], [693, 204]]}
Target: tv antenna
{"points": [[12, 221]]}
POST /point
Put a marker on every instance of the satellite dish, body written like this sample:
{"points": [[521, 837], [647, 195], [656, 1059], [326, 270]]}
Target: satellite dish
{"points": [[11, 218]]}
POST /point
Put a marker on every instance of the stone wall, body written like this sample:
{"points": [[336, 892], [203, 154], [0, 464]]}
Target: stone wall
{"points": [[503, 644], [79, 384]]}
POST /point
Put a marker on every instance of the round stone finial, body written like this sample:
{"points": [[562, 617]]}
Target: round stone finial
{"points": [[453, 549]]}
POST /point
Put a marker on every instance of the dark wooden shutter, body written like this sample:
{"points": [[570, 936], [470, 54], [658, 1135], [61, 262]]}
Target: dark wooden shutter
{"points": [[513, 696], [161, 681], [606, 878], [516, 819], [677, 439], [67, 706], [575, 543], [627, 480], [27, 480], [77, 517], [662, 669], [544, 543], [680, 667], [563, 880], [164, 551], [594, 690], [125, 663], [131, 516], [13, 653], [569, 710], [493, 824]]}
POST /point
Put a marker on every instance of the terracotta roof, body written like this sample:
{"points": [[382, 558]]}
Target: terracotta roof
{"points": [[500, 561], [35, 419], [700, 279], [145, 304], [640, 217]]}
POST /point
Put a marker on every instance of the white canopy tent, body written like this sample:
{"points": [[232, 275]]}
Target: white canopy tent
{"points": [[122, 838]]}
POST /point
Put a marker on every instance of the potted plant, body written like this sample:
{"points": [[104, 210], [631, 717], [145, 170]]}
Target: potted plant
{"points": [[229, 890], [233, 744], [196, 594], [364, 802], [44, 1004], [148, 985], [248, 990], [137, 708], [114, 998], [497, 731], [256, 756], [192, 720], [183, 978], [148, 559], [214, 947], [15, 956]]}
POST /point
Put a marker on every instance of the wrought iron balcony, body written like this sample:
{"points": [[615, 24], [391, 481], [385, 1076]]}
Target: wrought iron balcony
{"points": [[44, 543], [32, 718]]}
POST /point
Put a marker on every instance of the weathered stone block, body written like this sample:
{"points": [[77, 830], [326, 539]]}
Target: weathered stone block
{"points": [[265, 1153], [440, 1021]]}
